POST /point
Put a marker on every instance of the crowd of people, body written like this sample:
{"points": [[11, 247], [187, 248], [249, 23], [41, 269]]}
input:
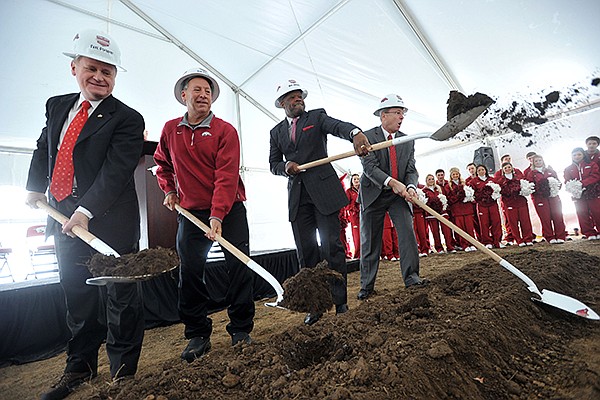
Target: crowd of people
{"points": [[84, 165], [482, 204]]}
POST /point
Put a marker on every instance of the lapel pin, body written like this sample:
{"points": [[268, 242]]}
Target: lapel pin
{"points": [[100, 115]]}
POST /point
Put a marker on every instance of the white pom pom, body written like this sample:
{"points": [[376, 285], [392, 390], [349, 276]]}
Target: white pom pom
{"points": [[469, 194], [527, 188], [554, 186], [444, 201], [496, 190], [422, 195], [575, 188]]}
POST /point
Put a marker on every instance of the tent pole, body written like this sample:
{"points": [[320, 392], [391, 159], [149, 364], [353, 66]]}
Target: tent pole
{"points": [[437, 60], [236, 89]]}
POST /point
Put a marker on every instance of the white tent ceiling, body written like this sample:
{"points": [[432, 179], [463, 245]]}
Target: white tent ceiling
{"points": [[349, 53]]}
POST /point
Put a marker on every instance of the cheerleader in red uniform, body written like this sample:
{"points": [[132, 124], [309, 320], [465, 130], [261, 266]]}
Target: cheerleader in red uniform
{"points": [[582, 180], [389, 240], [546, 200], [353, 212], [435, 200], [420, 225], [487, 193], [461, 207], [472, 168], [592, 152], [514, 188]]}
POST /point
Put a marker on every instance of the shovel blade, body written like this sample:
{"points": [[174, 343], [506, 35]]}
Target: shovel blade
{"points": [[568, 304], [458, 123]]}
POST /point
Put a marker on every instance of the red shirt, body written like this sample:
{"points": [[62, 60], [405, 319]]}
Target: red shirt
{"points": [[542, 191], [456, 195], [588, 174], [201, 165], [483, 192], [510, 190]]}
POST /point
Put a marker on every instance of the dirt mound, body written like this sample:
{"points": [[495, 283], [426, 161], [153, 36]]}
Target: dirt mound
{"points": [[473, 333], [309, 290]]}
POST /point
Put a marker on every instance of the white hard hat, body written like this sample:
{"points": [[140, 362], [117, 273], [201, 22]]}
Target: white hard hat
{"points": [[97, 45], [288, 86], [195, 73], [389, 101]]}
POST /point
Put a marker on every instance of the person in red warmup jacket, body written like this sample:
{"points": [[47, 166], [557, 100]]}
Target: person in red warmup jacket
{"points": [[461, 211], [546, 201], [487, 208], [515, 205], [432, 191], [587, 205]]}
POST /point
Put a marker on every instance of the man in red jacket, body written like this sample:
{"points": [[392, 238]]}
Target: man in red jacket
{"points": [[198, 159]]}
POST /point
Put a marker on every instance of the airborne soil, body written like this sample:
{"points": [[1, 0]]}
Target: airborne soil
{"points": [[472, 333]]}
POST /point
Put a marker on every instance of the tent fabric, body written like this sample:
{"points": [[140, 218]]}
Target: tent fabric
{"points": [[348, 53]]}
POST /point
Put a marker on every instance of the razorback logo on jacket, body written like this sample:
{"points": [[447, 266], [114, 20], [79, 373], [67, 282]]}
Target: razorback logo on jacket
{"points": [[307, 128]]}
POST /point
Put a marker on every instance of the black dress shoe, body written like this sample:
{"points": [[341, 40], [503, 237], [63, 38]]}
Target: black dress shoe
{"points": [[421, 283], [364, 294], [66, 385], [240, 337], [312, 318], [341, 308], [196, 348]]}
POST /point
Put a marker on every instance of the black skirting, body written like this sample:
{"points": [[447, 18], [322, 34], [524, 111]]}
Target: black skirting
{"points": [[33, 324]]}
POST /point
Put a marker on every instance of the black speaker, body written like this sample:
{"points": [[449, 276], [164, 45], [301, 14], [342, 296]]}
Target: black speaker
{"points": [[485, 156]]}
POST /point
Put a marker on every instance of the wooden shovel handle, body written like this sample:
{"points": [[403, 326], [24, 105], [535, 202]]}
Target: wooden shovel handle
{"points": [[220, 239], [456, 229], [326, 160], [79, 231]]}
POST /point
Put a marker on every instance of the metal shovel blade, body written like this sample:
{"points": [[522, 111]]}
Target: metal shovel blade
{"points": [[567, 303], [458, 123]]}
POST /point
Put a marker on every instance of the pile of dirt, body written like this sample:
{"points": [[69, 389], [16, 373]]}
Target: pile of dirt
{"points": [[473, 333], [309, 290], [146, 262], [458, 103]]}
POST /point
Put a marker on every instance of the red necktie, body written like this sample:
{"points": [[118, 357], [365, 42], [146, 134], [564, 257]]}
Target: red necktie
{"points": [[62, 176], [393, 160], [293, 135]]}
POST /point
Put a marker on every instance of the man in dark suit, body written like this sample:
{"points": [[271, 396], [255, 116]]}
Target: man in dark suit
{"points": [[388, 183], [316, 195], [99, 196]]}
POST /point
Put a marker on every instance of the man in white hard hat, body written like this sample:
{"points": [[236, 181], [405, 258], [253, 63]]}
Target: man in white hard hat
{"points": [[198, 159], [388, 183], [90, 148], [316, 195]]}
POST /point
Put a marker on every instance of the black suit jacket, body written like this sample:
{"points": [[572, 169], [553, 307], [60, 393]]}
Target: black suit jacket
{"points": [[321, 183], [376, 167], [105, 156]]}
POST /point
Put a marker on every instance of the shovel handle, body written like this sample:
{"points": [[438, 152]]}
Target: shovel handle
{"points": [[254, 266], [456, 229], [326, 160], [374, 147], [79, 231]]}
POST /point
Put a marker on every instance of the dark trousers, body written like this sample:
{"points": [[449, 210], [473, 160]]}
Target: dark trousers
{"points": [[113, 313], [193, 248], [308, 221]]}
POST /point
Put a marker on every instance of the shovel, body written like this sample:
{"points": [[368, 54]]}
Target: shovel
{"points": [[79, 231], [254, 266], [98, 245], [546, 296], [448, 130]]}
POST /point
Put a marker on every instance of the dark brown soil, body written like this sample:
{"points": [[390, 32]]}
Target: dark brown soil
{"points": [[308, 290], [472, 333], [458, 103], [145, 262]]}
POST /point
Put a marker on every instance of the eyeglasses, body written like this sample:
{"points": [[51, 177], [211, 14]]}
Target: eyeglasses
{"points": [[402, 112]]}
